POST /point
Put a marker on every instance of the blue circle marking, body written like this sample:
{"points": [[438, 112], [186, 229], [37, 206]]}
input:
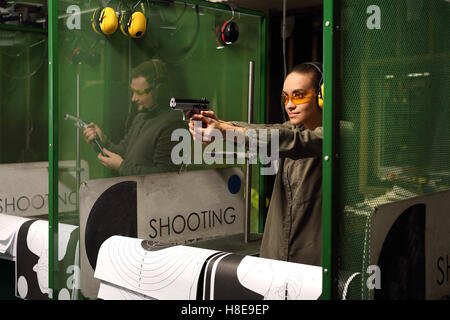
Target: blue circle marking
{"points": [[234, 184]]}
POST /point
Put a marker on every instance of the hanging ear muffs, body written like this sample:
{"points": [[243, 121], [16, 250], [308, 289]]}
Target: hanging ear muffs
{"points": [[133, 23], [228, 32], [104, 20]]}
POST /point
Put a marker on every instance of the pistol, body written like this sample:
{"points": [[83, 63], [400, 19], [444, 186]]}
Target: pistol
{"points": [[189, 106], [83, 125]]}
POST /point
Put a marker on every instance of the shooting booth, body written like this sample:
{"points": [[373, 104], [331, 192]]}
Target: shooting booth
{"points": [[74, 203], [386, 150], [190, 227]]}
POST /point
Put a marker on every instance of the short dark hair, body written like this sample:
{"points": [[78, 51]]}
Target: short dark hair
{"points": [[309, 68], [154, 71]]}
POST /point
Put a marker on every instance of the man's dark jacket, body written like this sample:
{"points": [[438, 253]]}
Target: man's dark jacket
{"points": [[147, 145]]}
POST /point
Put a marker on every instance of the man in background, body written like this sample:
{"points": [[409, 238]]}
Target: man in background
{"points": [[147, 145]]}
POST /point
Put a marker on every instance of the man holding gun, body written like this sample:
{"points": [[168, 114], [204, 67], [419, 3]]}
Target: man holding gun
{"points": [[146, 146]]}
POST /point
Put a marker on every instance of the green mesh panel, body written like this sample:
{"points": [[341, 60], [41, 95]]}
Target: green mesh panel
{"points": [[393, 108]]}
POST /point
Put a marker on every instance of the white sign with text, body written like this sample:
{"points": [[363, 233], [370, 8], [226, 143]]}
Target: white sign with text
{"points": [[24, 188], [193, 205]]}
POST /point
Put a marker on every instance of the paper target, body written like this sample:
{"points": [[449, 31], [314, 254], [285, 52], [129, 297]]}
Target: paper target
{"points": [[114, 213], [189, 273], [124, 261]]}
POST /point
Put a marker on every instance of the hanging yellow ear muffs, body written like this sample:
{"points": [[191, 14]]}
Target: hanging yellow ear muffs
{"points": [[104, 20], [133, 23]]}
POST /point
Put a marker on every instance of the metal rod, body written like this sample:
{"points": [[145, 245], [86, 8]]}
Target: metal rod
{"points": [[283, 34], [248, 173], [74, 295], [78, 161]]}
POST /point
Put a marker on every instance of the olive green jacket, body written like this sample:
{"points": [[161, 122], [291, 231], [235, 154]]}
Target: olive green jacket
{"points": [[293, 228], [147, 145]]}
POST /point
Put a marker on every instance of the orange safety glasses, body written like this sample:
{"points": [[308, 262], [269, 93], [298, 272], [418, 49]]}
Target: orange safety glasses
{"points": [[298, 97], [142, 93]]}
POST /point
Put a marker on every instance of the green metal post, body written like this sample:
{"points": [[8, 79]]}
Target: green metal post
{"points": [[328, 154], [53, 146]]}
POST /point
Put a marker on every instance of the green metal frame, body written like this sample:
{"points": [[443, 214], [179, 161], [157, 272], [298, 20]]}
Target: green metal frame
{"points": [[329, 155], [54, 112], [53, 96]]}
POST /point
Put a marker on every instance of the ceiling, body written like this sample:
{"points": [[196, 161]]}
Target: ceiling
{"points": [[266, 5]]}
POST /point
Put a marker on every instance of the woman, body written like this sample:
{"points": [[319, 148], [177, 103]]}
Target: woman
{"points": [[293, 229]]}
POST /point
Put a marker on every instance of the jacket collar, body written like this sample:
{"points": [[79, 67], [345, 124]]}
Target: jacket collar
{"points": [[154, 111]]}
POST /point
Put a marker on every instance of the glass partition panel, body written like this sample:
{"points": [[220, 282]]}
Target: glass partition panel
{"points": [[124, 85], [23, 150], [23, 103]]}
